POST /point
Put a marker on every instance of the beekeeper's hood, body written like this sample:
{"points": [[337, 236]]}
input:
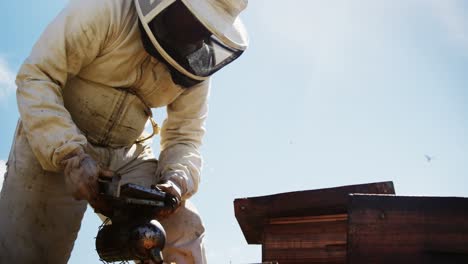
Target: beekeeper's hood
{"points": [[196, 37]]}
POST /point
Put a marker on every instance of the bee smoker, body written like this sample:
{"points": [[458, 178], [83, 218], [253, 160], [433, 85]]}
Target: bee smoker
{"points": [[132, 232]]}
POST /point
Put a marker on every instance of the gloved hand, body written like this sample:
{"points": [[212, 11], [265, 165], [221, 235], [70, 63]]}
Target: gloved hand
{"points": [[173, 198], [81, 175]]}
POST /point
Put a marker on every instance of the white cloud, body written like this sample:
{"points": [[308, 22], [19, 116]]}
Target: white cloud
{"points": [[327, 33], [331, 32], [2, 172], [451, 14], [7, 79]]}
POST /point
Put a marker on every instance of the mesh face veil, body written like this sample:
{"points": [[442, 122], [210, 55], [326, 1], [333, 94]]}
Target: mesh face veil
{"points": [[187, 42]]}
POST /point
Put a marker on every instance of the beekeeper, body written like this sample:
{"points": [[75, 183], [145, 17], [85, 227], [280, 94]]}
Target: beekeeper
{"points": [[85, 94]]}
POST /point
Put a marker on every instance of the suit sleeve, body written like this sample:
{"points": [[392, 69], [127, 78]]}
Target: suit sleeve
{"points": [[71, 42], [181, 136]]}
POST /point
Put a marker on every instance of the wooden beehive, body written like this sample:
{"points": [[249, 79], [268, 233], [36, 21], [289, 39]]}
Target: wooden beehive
{"points": [[406, 229], [356, 224], [302, 227]]}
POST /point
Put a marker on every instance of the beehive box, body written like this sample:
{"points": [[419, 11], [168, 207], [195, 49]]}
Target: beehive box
{"points": [[302, 227], [355, 224], [405, 229]]}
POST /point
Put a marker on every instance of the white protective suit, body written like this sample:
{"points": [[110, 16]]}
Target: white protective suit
{"points": [[88, 83]]}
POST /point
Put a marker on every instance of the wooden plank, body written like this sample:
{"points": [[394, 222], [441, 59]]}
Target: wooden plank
{"points": [[252, 213], [308, 256], [306, 242], [308, 219], [397, 229]]}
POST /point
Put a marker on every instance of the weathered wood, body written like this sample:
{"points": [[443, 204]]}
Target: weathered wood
{"points": [[396, 229], [319, 239], [308, 219], [253, 213]]}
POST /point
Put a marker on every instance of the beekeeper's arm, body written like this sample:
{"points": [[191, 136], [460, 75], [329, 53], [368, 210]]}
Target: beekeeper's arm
{"points": [[180, 161], [70, 42]]}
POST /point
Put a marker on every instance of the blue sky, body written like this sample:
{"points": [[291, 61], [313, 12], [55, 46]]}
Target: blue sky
{"points": [[329, 93]]}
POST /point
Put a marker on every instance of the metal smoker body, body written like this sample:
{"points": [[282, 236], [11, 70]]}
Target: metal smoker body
{"points": [[133, 233]]}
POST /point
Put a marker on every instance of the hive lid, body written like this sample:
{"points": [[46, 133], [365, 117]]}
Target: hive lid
{"points": [[253, 213]]}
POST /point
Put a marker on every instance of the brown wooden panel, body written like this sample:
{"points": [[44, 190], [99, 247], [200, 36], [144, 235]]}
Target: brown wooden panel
{"points": [[320, 239], [251, 213], [396, 229]]}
